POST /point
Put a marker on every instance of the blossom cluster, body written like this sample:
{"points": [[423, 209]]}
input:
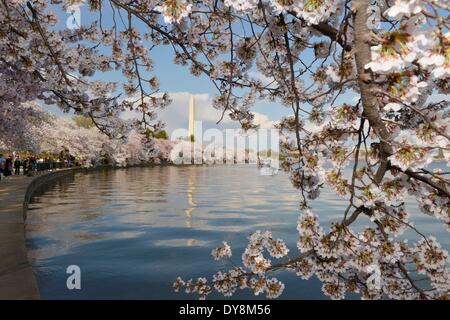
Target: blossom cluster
{"points": [[369, 116]]}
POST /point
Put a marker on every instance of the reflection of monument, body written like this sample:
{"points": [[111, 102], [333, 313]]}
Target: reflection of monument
{"points": [[190, 198], [191, 117]]}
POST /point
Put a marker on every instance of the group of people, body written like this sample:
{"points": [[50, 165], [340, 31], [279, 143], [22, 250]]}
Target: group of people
{"points": [[7, 165]]}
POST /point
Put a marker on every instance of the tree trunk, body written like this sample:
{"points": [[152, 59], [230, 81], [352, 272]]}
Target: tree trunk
{"points": [[369, 100]]}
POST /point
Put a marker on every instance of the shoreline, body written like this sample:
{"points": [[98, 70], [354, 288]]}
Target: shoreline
{"points": [[17, 280]]}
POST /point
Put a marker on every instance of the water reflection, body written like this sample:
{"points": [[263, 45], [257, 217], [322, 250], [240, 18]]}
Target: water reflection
{"points": [[133, 231], [190, 198]]}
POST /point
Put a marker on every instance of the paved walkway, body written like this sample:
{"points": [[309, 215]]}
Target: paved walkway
{"points": [[17, 280]]}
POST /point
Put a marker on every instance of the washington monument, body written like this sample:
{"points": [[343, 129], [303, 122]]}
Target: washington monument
{"points": [[191, 117]]}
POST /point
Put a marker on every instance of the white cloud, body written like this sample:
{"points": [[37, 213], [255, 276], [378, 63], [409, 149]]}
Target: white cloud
{"points": [[314, 128], [175, 116], [257, 75], [263, 121]]}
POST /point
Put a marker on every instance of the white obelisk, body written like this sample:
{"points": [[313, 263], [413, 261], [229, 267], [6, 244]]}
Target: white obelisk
{"points": [[191, 117]]}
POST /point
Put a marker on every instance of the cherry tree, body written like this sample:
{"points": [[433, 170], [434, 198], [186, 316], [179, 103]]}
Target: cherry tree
{"points": [[39, 60], [85, 144], [363, 80], [20, 126], [92, 146]]}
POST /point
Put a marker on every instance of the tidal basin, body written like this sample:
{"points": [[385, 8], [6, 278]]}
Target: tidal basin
{"points": [[133, 231]]}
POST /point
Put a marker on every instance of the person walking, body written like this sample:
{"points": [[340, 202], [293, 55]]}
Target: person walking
{"points": [[7, 171], [25, 166], [33, 164], [2, 165], [17, 164], [30, 166]]}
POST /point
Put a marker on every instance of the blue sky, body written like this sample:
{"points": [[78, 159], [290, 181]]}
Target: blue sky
{"points": [[176, 80], [179, 83]]}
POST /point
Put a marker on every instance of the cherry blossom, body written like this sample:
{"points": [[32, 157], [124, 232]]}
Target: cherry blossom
{"points": [[364, 100], [223, 251]]}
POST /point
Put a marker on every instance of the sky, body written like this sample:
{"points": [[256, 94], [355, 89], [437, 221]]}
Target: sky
{"points": [[179, 83]]}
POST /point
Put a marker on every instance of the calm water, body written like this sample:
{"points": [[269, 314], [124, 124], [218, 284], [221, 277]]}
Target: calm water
{"points": [[133, 231]]}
